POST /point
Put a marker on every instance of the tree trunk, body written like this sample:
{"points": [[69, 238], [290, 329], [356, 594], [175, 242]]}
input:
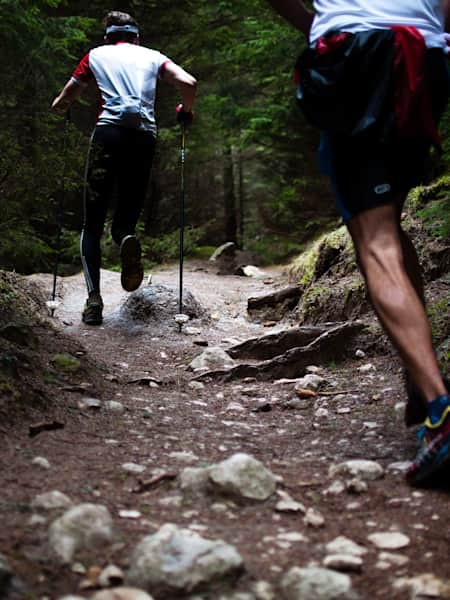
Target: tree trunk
{"points": [[229, 196]]}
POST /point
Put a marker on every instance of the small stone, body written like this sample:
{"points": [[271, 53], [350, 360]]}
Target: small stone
{"points": [[343, 562], [212, 358], [36, 520], [389, 540], [110, 576], [288, 504], [395, 560], [292, 536], [400, 407], [174, 501], [41, 462], [122, 593], [357, 486], [311, 381], [364, 469], [186, 457], [315, 584], [343, 545], [196, 385], [82, 526], [313, 518], [114, 406], [366, 368], [192, 330], [133, 468], [50, 501], [129, 514], [336, 488], [194, 480], [297, 404], [235, 406], [263, 590], [321, 413], [424, 586], [399, 466], [89, 403], [243, 475], [360, 353], [313, 369]]}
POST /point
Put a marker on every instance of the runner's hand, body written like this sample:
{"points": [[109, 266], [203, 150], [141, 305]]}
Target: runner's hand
{"points": [[184, 117]]}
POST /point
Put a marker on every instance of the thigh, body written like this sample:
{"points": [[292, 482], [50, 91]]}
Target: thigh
{"points": [[133, 175], [100, 176], [360, 174]]}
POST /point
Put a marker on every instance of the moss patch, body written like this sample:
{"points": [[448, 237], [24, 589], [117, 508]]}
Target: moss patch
{"points": [[66, 363], [325, 252]]}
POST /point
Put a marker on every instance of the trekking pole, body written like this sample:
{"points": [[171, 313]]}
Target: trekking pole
{"points": [[53, 304], [181, 318]]}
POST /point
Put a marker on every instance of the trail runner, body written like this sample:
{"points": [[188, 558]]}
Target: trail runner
{"points": [[375, 81], [122, 144]]}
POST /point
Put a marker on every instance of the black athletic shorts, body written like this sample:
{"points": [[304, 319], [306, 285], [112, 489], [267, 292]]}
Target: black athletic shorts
{"points": [[366, 173]]}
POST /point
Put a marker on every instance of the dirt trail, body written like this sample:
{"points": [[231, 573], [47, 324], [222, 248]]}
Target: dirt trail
{"points": [[169, 427]]}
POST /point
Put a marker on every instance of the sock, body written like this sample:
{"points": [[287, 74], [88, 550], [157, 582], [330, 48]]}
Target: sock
{"points": [[437, 407]]}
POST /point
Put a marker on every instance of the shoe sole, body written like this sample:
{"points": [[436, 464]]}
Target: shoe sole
{"points": [[132, 269], [441, 460], [91, 321]]}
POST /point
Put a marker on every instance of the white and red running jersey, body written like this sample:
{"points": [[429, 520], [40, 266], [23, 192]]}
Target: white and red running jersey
{"points": [[355, 16], [126, 76]]}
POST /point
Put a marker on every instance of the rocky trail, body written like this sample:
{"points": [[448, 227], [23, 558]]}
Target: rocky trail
{"points": [[250, 474]]}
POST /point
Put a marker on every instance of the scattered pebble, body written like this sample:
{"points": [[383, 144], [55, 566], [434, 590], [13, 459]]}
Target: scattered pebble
{"points": [[133, 468], [389, 540], [40, 461]]}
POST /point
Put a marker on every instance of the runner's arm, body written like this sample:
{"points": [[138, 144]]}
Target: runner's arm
{"points": [[295, 12], [183, 81], [70, 92]]}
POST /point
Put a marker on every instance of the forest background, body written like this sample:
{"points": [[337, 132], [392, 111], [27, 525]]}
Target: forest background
{"points": [[251, 173]]}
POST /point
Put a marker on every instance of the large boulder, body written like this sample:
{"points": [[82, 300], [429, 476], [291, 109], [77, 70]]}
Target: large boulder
{"points": [[179, 561], [82, 527]]}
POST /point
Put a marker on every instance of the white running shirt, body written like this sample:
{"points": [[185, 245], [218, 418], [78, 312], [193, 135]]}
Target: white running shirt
{"points": [[354, 16], [126, 77]]}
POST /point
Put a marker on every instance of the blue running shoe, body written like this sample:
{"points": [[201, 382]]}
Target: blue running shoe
{"points": [[434, 451]]}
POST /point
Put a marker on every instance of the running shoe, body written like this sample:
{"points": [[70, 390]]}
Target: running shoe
{"points": [[416, 410], [434, 451], [93, 310], [132, 269]]}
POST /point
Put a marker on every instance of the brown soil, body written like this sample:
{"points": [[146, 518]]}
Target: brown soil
{"points": [[86, 455]]}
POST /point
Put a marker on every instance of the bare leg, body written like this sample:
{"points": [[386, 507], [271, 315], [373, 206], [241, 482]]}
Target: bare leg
{"points": [[378, 243], [410, 258]]}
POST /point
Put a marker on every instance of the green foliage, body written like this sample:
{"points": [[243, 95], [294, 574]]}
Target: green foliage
{"points": [[249, 152]]}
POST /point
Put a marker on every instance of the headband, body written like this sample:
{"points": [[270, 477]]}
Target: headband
{"points": [[122, 28]]}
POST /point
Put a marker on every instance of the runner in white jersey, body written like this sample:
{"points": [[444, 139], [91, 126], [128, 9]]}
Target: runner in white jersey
{"points": [[378, 114], [122, 144]]}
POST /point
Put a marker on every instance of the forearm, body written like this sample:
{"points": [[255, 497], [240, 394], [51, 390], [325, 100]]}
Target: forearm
{"points": [[295, 12], [184, 82], [70, 92]]}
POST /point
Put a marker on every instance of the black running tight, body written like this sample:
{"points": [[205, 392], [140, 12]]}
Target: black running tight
{"points": [[119, 162]]}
